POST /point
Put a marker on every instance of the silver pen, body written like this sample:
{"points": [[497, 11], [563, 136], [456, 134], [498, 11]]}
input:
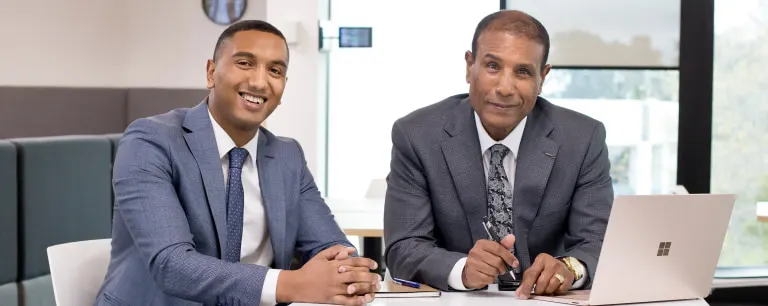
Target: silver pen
{"points": [[492, 235]]}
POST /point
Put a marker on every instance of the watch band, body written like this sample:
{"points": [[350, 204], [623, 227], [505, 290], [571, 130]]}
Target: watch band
{"points": [[574, 266]]}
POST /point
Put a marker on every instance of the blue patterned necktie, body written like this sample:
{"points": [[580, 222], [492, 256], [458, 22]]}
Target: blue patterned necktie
{"points": [[235, 202], [499, 192]]}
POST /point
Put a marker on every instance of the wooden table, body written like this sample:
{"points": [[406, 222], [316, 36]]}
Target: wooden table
{"points": [[359, 217], [762, 211], [366, 225], [364, 218]]}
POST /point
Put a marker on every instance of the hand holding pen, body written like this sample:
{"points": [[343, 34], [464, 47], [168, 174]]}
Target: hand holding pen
{"points": [[509, 243], [488, 259]]}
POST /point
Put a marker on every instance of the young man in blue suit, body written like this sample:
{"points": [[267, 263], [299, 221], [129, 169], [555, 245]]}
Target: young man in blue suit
{"points": [[211, 207]]}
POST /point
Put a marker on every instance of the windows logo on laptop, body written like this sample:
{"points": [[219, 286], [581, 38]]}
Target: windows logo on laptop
{"points": [[664, 248]]}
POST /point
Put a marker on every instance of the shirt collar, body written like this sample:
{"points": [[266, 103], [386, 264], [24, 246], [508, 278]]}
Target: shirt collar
{"points": [[224, 143], [512, 141]]}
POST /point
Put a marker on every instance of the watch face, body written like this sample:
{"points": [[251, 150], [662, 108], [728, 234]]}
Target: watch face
{"points": [[224, 12]]}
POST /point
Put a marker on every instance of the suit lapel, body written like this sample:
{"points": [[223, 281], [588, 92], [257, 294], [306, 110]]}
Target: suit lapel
{"points": [[535, 159], [273, 194], [202, 144], [465, 162]]}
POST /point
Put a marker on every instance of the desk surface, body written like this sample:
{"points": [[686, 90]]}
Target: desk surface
{"points": [[739, 282], [762, 211], [492, 297], [359, 217], [365, 218]]}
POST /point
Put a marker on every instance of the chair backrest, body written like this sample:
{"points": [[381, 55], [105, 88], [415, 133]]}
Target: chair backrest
{"points": [[377, 189], [77, 270]]}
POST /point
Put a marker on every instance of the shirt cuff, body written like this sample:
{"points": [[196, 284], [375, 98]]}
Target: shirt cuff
{"points": [[580, 283], [269, 289], [454, 279]]}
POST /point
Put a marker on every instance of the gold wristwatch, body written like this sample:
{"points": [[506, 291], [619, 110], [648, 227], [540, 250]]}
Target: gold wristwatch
{"points": [[573, 265]]}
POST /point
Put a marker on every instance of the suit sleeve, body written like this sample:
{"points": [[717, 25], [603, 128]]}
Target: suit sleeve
{"points": [[317, 228], [591, 204], [148, 202], [411, 247]]}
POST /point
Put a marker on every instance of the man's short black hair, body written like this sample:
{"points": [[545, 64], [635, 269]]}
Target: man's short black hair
{"points": [[247, 25], [515, 23]]}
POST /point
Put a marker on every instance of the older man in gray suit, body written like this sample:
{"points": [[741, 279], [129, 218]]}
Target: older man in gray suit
{"points": [[210, 207], [539, 172]]}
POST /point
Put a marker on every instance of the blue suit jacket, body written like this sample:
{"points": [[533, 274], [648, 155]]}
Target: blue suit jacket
{"points": [[169, 227]]}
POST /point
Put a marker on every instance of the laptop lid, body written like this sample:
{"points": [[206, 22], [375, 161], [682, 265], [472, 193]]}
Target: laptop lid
{"points": [[661, 248]]}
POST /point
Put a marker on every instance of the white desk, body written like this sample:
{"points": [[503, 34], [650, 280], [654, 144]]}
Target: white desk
{"points": [[762, 211], [365, 218], [492, 297], [739, 282]]}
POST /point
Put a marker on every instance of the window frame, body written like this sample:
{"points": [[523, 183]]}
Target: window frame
{"points": [[696, 75]]}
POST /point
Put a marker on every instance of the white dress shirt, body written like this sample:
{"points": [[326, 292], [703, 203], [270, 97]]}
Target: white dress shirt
{"points": [[512, 141], [256, 247]]}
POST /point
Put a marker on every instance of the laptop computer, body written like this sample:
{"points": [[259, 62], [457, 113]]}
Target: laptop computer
{"points": [[657, 248]]}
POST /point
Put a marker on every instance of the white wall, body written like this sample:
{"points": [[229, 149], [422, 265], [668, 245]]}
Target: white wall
{"points": [[152, 43], [169, 41], [61, 43], [298, 116]]}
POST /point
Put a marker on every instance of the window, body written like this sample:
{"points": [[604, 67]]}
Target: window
{"points": [[616, 61], [394, 80], [600, 33], [639, 111], [417, 59], [739, 126]]}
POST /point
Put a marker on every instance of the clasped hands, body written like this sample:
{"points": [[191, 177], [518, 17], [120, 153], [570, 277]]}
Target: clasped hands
{"points": [[488, 259], [330, 277]]}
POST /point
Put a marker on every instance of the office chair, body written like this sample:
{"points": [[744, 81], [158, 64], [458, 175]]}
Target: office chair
{"points": [[78, 270]]}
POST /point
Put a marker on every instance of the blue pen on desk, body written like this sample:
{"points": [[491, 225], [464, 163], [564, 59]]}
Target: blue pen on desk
{"points": [[406, 283]]}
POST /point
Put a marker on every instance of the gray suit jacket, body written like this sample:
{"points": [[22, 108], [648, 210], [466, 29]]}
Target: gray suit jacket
{"points": [[169, 226], [436, 194]]}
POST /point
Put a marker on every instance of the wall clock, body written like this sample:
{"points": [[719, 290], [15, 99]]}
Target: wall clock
{"points": [[224, 12]]}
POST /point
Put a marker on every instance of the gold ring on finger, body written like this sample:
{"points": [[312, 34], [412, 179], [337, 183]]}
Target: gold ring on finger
{"points": [[560, 278]]}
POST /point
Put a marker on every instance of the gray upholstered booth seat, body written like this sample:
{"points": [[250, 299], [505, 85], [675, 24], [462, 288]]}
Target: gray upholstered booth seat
{"points": [[114, 140], [37, 291], [65, 196], [8, 225], [9, 294]]}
